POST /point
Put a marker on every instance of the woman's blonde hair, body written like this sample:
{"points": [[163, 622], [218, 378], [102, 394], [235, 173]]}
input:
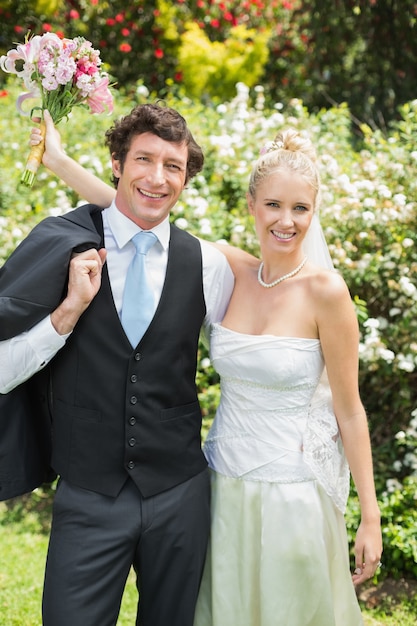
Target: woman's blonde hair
{"points": [[288, 150]]}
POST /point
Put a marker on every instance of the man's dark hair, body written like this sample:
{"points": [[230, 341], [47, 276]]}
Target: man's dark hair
{"points": [[160, 120]]}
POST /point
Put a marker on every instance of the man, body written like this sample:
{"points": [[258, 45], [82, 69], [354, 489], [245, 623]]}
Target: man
{"points": [[134, 487]]}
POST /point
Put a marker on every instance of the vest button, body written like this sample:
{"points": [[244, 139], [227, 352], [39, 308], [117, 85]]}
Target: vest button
{"points": [[138, 356], [133, 399], [130, 465], [133, 378], [132, 442], [132, 420]]}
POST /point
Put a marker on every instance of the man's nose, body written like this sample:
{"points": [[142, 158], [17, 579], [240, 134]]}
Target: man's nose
{"points": [[157, 173]]}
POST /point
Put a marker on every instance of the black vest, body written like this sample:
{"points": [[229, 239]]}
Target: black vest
{"points": [[118, 412]]}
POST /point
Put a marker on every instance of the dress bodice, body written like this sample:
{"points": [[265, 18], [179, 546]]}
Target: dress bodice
{"points": [[271, 423]]}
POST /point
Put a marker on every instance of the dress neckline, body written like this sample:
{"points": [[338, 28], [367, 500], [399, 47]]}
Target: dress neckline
{"points": [[217, 326]]}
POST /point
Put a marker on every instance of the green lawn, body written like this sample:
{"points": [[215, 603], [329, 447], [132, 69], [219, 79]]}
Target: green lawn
{"points": [[23, 545], [21, 577]]}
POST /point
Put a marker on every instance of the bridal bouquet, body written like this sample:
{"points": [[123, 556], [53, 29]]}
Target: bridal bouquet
{"points": [[62, 73]]}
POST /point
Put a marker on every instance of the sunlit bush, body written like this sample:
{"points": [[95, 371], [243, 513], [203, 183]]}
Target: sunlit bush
{"points": [[369, 216]]}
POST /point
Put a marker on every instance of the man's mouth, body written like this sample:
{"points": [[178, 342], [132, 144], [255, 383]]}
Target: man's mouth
{"points": [[149, 194]]}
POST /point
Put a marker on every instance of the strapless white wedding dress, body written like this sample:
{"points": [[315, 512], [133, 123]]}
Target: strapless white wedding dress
{"points": [[278, 553]]}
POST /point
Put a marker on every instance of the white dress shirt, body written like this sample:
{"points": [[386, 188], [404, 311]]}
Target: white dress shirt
{"points": [[24, 355]]}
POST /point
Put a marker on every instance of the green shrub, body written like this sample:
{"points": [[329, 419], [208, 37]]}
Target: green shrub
{"points": [[240, 58], [368, 214]]}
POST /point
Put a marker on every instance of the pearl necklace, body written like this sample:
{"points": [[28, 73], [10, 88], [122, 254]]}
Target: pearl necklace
{"points": [[279, 280]]}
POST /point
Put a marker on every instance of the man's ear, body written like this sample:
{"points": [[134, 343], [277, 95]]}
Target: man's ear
{"points": [[115, 165]]}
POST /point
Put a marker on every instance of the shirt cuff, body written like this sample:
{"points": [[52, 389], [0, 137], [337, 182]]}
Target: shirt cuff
{"points": [[44, 339]]}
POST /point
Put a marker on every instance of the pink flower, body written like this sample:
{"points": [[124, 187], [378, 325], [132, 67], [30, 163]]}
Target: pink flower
{"points": [[27, 52], [62, 73], [101, 99]]}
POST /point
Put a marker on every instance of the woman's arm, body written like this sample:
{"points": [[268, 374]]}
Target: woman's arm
{"points": [[339, 337], [238, 259], [88, 186]]}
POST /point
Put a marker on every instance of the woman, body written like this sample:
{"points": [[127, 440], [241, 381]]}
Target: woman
{"points": [[279, 444]]}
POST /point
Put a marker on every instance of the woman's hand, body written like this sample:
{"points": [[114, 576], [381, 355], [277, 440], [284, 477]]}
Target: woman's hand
{"points": [[53, 146], [368, 551]]}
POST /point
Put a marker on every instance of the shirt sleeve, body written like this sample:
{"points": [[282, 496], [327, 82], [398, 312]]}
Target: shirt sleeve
{"points": [[24, 355], [218, 283]]}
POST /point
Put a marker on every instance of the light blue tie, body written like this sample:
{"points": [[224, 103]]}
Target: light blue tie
{"points": [[138, 301]]}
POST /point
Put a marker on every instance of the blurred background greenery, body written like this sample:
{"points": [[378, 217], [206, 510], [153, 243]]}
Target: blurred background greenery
{"points": [[342, 72]]}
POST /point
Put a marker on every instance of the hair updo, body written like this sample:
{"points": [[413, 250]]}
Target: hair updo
{"points": [[289, 150]]}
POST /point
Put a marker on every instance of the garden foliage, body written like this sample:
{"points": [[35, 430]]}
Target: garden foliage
{"points": [[324, 52], [310, 57], [369, 216]]}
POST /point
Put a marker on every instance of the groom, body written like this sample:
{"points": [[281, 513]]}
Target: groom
{"points": [[133, 487]]}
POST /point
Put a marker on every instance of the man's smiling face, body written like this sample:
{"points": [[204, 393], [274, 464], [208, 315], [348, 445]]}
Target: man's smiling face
{"points": [[151, 180]]}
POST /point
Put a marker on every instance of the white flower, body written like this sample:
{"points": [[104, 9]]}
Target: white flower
{"points": [[205, 227], [141, 90], [407, 286], [371, 322], [181, 222], [368, 216], [400, 199], [406, 363], [393, 485], [407, 242], [397, 465], [387, 355]]}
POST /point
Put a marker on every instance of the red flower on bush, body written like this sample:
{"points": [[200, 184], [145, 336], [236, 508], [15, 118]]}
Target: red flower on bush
{"points": [[74, 15], [125, 47], [159, 53]]}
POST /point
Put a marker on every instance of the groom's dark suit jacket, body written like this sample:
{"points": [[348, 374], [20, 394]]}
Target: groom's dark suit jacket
{"points": [[31, 287]]}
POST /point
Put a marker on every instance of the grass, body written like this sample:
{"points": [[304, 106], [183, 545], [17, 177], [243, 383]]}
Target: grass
{"points": [[21, 579], [24, 526]]}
